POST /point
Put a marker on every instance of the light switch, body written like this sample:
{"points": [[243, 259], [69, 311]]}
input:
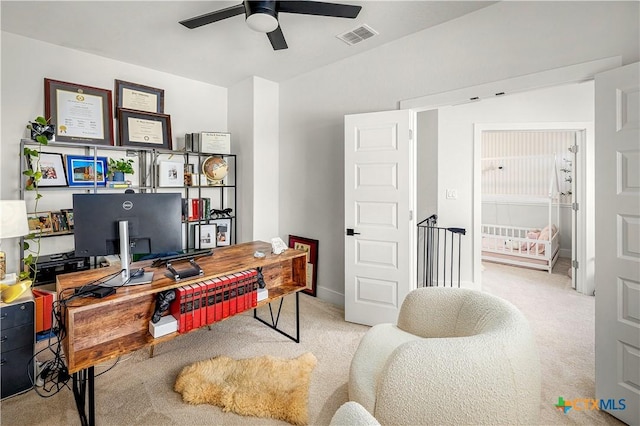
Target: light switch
{"points": [[452, 194]]}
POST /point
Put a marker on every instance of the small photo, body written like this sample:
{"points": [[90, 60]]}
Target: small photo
{"points": [[171, 173], [52, 168], [40, 222], [223, 231], [69, 215], [59, 222]]}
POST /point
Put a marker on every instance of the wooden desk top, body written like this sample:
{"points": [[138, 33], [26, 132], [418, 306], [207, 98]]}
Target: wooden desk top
{"points": [[101, 329]]}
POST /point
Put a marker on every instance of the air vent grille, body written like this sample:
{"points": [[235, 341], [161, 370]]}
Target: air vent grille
{"points": [[357, 35]]}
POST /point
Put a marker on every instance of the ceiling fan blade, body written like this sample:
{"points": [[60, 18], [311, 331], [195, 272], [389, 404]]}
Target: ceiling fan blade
{"points": [[319, 8], [218, 15], [277, 39]]}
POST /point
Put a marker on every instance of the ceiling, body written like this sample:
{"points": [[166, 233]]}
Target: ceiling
{"points": [[223, 53]]}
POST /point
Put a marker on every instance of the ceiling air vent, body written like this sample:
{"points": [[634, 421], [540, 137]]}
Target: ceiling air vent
{"points": [[357, 35]]}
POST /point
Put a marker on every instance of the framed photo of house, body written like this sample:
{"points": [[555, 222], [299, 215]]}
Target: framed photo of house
{"points": [[86, 171], [52, 168], [39, 222], [147, 129], [139, 97], [311, 248], [203, 236], [81, 114], [171, 173], [223, 231]]}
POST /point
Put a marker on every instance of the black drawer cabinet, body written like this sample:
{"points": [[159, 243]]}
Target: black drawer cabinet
{"points": [[17, 336]]}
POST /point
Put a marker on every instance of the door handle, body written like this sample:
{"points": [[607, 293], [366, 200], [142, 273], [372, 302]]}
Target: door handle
{"points": [[350, 231]]}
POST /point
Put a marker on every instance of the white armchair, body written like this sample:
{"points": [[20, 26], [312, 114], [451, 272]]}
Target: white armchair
{"points": [[456, 356]]}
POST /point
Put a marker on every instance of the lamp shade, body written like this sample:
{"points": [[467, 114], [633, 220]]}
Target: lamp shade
{"points": [[13, 218]]}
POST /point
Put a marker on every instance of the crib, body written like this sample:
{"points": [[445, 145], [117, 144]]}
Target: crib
{"points": [[526, 247]]}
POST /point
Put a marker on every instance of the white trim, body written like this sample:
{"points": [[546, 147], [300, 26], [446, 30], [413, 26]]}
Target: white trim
{"points": [[586, 224], [564, 75]]}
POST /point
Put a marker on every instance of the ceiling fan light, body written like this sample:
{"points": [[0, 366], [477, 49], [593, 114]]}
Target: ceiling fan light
{"points": [[262, 22]]}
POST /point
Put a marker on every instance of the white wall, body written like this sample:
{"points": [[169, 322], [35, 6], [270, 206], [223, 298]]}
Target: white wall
{"points": [[505, 40], [193, 106]]}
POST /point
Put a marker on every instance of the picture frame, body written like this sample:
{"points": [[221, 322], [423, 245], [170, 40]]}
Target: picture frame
{"points": [[139, 97], [69, 215], [39, 223], [203, 236], [171, 174], [83, 170], [223, 231], [147, 129], [81, 114], [59, 223], [309, 246], [52, 167]]}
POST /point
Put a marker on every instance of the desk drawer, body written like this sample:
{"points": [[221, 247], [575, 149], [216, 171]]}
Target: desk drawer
{"points": [[16, 337], [16, 370], [14, 315]]}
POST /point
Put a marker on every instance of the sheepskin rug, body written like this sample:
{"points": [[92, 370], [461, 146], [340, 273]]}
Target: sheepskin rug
{"points": [[264, 386]]}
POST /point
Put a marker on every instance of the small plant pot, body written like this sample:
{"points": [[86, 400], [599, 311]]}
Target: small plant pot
{"points": [[48, 131], [118, 176]]}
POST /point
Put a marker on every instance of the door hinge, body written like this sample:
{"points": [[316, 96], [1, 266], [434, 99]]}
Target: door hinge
{"points": [[410, 134], [575, 264], [410, 214], [573, 149], [575, 206]]}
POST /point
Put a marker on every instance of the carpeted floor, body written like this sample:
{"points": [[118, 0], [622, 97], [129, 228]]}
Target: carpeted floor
{"points": [[139, 390]]}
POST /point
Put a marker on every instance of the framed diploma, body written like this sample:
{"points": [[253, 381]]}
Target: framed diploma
{"points": [[138, 128], [138, 97], [81, 114]]}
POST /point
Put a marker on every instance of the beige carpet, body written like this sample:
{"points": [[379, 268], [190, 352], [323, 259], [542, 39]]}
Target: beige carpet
{"points": [[139, 390], [563, 322]]}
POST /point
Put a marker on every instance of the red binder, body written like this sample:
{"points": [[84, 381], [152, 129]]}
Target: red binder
{"points": [[45, 300]]}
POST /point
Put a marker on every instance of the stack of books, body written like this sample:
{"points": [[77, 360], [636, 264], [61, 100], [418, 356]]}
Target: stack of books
{"points": [[118, 184], [209, 301]]}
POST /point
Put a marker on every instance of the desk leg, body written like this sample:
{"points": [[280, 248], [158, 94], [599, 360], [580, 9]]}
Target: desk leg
{"points": [[80, 381], [274, 321]]}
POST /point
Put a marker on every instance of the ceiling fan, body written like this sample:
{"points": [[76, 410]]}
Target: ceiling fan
{"points": [[262, 16]]}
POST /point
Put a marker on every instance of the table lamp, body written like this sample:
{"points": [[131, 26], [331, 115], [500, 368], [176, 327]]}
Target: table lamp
{"points": [[13, 223]]}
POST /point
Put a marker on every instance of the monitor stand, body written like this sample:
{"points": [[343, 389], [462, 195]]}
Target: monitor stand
{"points": [[126, 278]]}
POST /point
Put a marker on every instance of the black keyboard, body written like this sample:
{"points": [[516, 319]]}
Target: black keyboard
{"points": [[182, 256]]}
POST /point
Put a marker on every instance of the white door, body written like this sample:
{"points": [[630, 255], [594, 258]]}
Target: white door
{"points": [[617, 259], [379, 265]]}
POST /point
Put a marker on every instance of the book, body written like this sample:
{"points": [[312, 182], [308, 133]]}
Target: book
{"points": [[211, 301], [226, 292], [203, 303], [177, 308], [197, 298], [218, 290], [188, 309]]}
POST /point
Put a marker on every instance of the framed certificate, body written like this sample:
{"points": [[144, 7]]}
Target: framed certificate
{"points": [[81, 114], [139, 97], [138, 128]]}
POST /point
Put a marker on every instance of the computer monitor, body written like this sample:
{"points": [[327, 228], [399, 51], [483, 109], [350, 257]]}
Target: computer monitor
{"points": [[125, 224]]}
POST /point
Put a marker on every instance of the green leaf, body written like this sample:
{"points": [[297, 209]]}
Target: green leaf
{"points": [[42, 140], [25, 245], [28, 173], [38, 196], [41, 120], [29, 151]]}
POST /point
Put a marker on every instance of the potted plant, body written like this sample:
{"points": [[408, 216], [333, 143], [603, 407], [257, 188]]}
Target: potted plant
{"points": [[119, 167], [42, 132]]}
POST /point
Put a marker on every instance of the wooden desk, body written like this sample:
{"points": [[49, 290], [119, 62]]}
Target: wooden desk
{"points": [[101, 329]]}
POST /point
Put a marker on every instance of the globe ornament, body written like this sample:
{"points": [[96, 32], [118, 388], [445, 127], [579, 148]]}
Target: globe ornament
{"points": [[215, 169]]}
